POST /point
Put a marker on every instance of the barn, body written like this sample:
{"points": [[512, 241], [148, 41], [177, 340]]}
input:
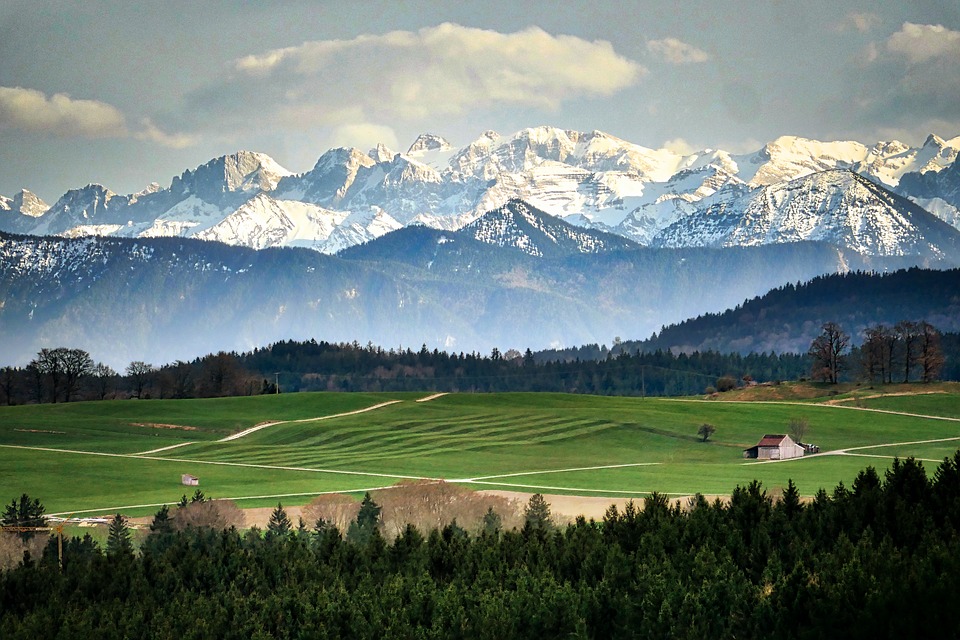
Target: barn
{"points": [[774, 447]]}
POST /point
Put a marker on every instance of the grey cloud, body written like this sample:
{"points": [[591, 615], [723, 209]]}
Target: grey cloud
{"points": [[59, 114]]}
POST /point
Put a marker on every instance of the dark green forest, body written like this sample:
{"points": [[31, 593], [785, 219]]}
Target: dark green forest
{"points": [[880, 559]]}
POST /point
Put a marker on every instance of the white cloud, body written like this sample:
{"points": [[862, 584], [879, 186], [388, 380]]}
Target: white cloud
{"points": [[363, 136], [923, 42], [151, 133], [65, 117], [676, 51], [679, 146], [59, 114], [447, 69]]}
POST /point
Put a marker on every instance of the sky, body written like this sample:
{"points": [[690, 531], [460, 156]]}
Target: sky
{"points": [[124, 95]]}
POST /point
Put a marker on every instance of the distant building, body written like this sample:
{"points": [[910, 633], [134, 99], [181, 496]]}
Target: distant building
{"points": [[189, 480], [775, 447]]}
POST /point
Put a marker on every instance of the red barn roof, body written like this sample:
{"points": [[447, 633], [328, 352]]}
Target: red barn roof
{"points": [[771, 440]]}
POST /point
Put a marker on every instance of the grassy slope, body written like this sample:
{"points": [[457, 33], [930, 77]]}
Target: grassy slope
{"points": [[455, 436]]}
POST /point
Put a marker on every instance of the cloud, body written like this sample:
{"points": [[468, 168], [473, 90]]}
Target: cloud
{"points": [[363, 136], [62, 116], [677, 52], [443, 70], [904, 84], [679, 146], [862, 22], [151, 133], [924, 42], [59, 114]]}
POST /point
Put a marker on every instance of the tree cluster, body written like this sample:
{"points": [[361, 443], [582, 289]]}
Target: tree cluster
{"points": [[878, 559], [901, 353]]}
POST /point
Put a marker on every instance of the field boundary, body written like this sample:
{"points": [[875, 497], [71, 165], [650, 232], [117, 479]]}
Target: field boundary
{"points": [[814, 404]]}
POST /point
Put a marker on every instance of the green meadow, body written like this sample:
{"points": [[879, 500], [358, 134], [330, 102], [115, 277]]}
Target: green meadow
{"points": [[101, 456]]}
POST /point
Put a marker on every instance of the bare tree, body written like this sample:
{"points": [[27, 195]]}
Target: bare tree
{"points": [[827, 351], [139, 373], [931, 355], [877, 353], [798, 428], [908, 334], [76, 364], [49, 364], [103, 379], [213, 514], [333, 509]]}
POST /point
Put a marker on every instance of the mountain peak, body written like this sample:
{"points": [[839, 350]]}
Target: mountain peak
{"points": [[382, 153], [428, 142], [521, 226]]}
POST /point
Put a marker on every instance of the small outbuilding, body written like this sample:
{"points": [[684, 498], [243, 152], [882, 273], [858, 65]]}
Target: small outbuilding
{"points": [[775, 447], [189, 480]]}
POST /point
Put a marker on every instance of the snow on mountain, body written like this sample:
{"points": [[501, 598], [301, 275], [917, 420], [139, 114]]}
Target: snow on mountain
{"points": [[537, 233], [20, 213], [937, 191], [264, 222], [93, 204], [327, 183], [360, 227], [837, 206], [245, 171], [593, 180]]}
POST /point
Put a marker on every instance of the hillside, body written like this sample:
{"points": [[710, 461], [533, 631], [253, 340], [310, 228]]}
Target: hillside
{"points": [[788, 318]]}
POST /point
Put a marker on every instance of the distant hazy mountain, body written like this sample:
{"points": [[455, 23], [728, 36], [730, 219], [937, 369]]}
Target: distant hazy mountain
{"points": [[788, 318], [161, 299], [591, 180]]}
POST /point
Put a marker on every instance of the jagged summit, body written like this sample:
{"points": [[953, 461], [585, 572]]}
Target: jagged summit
{"points": [[594, 180], [428, 142], [837, 206]]}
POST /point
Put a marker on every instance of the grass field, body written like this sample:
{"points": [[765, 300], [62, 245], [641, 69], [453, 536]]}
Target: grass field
{"points": [[107, 455]]}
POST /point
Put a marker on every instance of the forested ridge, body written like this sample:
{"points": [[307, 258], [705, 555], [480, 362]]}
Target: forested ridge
{"points": [[880, 559]]}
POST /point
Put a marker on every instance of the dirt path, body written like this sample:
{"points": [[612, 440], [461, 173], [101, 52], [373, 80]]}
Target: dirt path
{"points": [[264, 425], [173, 446], [433, 397]]}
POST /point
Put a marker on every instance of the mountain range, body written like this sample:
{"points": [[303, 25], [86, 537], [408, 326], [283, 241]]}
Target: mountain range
{"points": [[881, 200], [544, 239]]}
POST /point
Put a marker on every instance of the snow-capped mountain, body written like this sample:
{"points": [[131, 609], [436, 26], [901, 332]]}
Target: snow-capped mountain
{"points": [[520, 226], [592, 180], [19, 213], [836, 206], [937, 192]]}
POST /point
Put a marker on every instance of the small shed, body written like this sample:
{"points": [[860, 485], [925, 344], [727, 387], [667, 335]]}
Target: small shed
{"points": [[775, 447], [189, 480]]}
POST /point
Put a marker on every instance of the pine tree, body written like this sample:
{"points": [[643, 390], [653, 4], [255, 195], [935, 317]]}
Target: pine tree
{"points": [[279, 525], [367, 522], [23, 512], [492, 522], [536, 515], [161, 521], [118, 537]]}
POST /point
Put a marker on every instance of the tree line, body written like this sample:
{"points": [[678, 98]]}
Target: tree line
{"points": [[880, 559], [907, 351]]}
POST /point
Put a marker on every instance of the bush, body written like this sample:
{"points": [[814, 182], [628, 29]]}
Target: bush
{"points": [[726, 383]]}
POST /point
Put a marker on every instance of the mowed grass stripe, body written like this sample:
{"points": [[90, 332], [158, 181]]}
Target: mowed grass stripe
{"points": [[373, 447]]}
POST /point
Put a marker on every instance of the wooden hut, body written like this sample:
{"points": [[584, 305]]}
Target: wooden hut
{"points": [[774, 447]]}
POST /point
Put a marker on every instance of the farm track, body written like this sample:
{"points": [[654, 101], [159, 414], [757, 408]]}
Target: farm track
{"points": [[246, 432]]}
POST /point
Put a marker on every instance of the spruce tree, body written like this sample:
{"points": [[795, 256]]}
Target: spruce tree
{"points": [[279, 525], [118, 537], [536, 515]]}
